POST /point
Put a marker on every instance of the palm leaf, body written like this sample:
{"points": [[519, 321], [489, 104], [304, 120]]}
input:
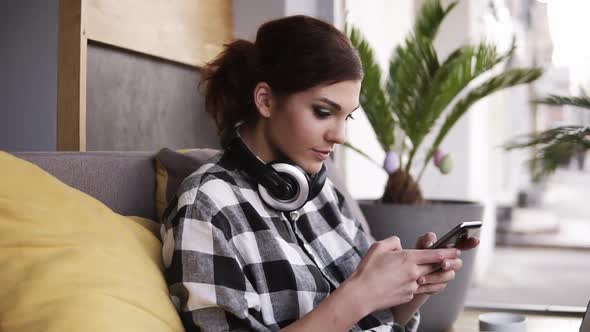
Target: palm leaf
{"points": [[460, 69], [501, 81], [372, 98], [555, 147], [564, 133], [582, 102], [412, 69], [430, 17], [455, 74], [413, 63], [408, 83]]}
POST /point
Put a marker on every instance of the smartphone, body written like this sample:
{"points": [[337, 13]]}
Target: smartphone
{"points": [[458, 234]]}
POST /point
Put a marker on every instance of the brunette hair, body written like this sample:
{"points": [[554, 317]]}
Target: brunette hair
{"points": [[290, 54]]}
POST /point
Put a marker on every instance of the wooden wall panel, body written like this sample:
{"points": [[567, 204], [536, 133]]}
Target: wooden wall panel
{"points": [[185, 31], [71, 77], [189, 32]]}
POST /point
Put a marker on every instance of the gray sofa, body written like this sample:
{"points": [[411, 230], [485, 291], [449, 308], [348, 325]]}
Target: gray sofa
{"points": [[126, 181]]}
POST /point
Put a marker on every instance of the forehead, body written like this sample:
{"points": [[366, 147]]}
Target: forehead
{"points": [[345, 93]]}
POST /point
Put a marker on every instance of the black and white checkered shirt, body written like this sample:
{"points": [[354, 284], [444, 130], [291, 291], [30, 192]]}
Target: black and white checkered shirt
{"points": [[234, 263]]}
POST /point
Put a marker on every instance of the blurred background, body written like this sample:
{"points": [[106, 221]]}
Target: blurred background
{"points": [[535, 246]]}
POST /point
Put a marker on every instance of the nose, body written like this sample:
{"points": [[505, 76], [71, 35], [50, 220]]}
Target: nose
{"points": [[337, 134]]}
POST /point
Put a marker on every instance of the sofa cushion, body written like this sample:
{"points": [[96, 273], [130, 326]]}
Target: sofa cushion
{"points": [[172, 167], [69, 263]]}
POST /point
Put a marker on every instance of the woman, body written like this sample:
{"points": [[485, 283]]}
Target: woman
{"points": [[248, 247]]}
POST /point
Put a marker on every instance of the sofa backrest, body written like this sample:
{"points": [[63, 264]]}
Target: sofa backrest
{"points": [[126, 181]]}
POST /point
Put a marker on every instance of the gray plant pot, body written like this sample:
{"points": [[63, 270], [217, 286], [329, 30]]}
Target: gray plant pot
{"points": [[408, 222]]}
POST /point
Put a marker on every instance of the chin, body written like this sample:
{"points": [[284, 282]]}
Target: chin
{"points": [[312, 168]]}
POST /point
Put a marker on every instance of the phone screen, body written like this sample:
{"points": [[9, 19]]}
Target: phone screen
{"points": [[457, 235]]}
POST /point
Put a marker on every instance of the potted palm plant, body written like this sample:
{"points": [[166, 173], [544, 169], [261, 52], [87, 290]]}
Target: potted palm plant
{"points": [[556, 146], [406, 107]]}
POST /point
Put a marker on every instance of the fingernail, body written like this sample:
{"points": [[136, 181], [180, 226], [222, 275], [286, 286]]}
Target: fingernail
{"points": [[458, 252], [445, 265], [428, 244]]}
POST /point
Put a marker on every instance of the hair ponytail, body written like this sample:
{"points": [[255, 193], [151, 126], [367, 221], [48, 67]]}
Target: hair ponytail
{"points": [[229, 84], [290, 54]]}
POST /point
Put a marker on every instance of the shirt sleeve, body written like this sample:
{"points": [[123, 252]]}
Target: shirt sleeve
{"points": [[205, 278], [362, 240], [411, 325]]}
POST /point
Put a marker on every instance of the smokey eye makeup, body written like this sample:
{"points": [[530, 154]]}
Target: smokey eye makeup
{"points": [[322, 112]]}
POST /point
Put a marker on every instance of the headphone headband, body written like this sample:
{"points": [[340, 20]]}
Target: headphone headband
{"points": [[281, 184], [258, 169]]}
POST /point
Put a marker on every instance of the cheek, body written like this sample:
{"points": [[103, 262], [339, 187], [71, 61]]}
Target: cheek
{"points": [[308, 134], [310, 125], [301, 129]]}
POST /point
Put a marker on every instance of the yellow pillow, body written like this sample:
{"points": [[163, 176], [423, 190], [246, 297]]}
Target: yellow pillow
{"points": [[172, 167], [69, 263]]}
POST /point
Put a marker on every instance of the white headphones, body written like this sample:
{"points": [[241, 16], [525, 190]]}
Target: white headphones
{"points": [[281, 184]]}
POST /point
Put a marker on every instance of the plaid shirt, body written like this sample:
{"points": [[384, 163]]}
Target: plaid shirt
{"points": [[234, 263]]}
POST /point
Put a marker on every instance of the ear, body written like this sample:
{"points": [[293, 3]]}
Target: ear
{"points": [[263, 99]]}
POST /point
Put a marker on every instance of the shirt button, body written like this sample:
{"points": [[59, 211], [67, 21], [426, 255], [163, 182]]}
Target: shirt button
{"points": [[294, 215]]}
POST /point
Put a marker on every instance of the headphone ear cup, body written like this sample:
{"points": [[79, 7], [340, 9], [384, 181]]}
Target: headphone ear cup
{"points": [[297, 178], [317, 183]]}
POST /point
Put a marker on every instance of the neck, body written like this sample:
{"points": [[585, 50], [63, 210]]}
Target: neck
{"points": [[255, 138]]}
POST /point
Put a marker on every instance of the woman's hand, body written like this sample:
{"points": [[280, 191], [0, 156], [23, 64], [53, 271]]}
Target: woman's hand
{"points": [[438, 280], [388, 275]]}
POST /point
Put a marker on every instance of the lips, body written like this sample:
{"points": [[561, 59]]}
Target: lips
{"points": [[323, 151], [322, 154]]}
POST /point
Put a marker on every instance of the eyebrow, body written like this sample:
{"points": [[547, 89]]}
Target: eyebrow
{"points": [[334, 104]]}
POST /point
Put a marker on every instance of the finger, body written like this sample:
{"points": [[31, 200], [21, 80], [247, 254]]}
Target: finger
{"points": [[430, 239], [426, 269], [432, 256], [447, 264], [389, 244], [431, 288], [438, 277], [426, 241], [452, 264], [469, 243]]}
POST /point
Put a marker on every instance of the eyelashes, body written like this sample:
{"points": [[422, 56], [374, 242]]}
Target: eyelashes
{"points": [[322, 113]]}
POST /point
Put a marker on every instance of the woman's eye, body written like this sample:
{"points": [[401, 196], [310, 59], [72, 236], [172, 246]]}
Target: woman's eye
{"points": [[321, 112]]}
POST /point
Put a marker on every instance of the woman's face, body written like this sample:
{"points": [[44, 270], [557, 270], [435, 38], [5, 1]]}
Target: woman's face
{"points": [[308, 125]]}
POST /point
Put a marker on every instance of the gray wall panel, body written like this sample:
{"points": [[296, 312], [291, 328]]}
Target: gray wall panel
{"points": [[138, 102]]}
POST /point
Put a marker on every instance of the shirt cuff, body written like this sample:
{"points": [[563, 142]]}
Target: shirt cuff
{"points": [[411, 325]]}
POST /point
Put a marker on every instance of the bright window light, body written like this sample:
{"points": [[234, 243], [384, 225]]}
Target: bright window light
{"points": [[568, 24]]}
